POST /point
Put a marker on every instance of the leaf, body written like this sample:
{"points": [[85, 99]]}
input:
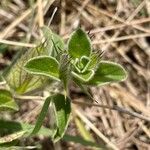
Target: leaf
{"points": [[10, 127], [58, 45], [20, 80], [7, 101], [84, 77], [81, 64], [54, 42], [62, 107], [79, 44], [84, 60], [108, 72], [43, 65], [11, 137], [12, 130], [41, 116], [47, 33]]}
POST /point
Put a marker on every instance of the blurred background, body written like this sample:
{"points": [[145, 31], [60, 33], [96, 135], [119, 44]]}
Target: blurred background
{"points": [[119, 28]]}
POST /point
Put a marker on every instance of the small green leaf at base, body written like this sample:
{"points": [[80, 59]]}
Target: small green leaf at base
{"points": [[79, 44], [43, 65], [108, 72], [6, 101]]}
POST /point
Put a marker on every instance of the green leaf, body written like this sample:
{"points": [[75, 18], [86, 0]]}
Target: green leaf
{"points": [[47, 33], [84, 77], [79, 44], [81, 64], [54, 43], [58, 45], [58, 41], [7, 101], [12, 130], [11, 137], [84, 60], [41, 116], [13, 127], [62, 107], [20, 80], [10, 127], [43, 65], [108, 72]]}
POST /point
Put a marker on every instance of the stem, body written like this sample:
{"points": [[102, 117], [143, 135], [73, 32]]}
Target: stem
{"points": [[117, 108]]}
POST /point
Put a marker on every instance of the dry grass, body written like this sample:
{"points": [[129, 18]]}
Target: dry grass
{"points": [[122, 30]]}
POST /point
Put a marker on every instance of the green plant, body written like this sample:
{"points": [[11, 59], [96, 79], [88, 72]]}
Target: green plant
{"points": [[49, 63]]}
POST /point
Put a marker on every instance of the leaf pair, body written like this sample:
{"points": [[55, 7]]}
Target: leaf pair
{"points": [[62, 110]]}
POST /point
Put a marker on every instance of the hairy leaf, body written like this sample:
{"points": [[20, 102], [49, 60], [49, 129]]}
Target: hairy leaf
{"points": [[47, 33], [108, 72], [43, 65], [11, 137], [54, 42], [62, 107], [79, 44], [7, 101], [20, 80], [12, 130], [10, 127]]}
